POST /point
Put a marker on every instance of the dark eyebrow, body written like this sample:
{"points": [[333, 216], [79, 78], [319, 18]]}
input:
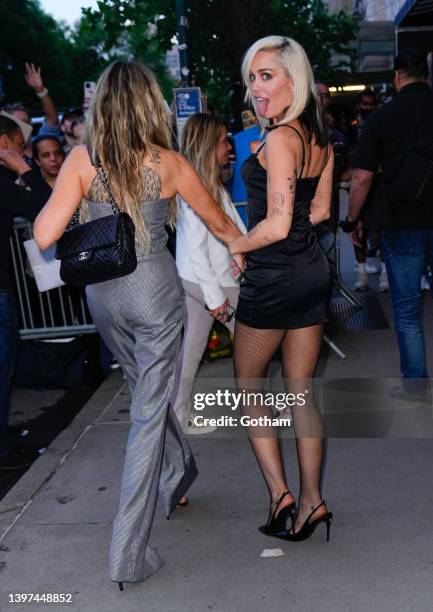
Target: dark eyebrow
{"points": [[260, 70]]}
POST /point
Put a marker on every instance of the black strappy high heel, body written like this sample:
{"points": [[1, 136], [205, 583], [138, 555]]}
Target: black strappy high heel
{"points": [[120, 586], [309, 526], [277, 522]]}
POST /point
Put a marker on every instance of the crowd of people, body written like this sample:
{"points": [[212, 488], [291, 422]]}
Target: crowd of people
{"points": [[29, 167], [345, 122], [269, 282]]}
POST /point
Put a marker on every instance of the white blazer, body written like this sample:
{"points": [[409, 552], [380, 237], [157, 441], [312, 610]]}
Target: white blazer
{"points": [[200, 257]]}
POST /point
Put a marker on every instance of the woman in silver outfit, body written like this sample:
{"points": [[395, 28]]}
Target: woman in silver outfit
{"points": [[139, 316]]}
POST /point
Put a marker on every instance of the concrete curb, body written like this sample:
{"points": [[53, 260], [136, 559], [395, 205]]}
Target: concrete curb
{"points": [[47, 464]]}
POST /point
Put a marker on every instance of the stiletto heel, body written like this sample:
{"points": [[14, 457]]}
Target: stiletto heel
{"points": [[277, 522], [120, 586], [308, 527], [328, 526]]}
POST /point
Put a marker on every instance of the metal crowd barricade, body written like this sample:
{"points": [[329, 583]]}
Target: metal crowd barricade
{"points": [[60, 312]]}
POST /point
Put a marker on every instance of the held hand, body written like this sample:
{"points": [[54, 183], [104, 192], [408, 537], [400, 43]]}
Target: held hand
{"points": [[238, 264], [13, 161], [33, 77], [220, 313], [236, 272], [357, 234]]}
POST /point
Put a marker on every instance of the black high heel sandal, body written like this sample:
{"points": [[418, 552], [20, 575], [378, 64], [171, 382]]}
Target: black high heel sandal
{"points": [[180, 505], [120, 586], [309, 526], [277, 522]]}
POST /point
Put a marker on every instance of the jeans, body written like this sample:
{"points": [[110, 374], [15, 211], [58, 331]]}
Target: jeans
{"points": [[8, 352], [406, 253]]}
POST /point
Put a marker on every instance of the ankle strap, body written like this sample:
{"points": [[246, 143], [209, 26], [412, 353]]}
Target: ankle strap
{"points": [[282, 496], [316, 508]]}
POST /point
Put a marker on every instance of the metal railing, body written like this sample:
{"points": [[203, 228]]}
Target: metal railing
{"points": [[56, 313]]}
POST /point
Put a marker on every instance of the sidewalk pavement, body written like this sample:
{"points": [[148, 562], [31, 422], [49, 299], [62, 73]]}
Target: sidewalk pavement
{"points": [[56, 522]]}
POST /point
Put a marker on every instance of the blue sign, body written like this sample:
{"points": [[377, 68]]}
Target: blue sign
{"points": [[243, 142], [188, 101]]}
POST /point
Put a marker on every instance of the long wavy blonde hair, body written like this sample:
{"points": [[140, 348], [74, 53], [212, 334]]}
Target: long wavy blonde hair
{"points": [[127, 116], [199, 145]]}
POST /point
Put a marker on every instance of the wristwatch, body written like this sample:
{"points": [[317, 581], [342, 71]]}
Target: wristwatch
{"points": [[348, 226]]}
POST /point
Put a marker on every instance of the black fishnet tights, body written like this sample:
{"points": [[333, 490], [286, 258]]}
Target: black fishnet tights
{"points": [[253, 351]]}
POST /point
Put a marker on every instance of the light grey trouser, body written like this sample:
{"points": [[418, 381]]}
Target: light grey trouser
{"points": [[140, 319], [197, 326]]}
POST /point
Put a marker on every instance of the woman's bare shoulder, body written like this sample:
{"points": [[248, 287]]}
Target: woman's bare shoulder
{"points": [[171, 166], [79, 155], [167, 159], [283, 137]]}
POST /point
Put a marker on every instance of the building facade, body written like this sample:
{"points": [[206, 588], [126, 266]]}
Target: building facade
{"points": [[375, 43]]}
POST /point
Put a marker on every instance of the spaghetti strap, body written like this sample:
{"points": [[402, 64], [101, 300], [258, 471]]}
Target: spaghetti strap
{"points": [[95, 161], [302, 142], [89, 151], [260, 147]]}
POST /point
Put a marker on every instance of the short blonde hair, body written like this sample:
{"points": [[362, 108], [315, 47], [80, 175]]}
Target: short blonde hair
{"points": [[294, 60]]}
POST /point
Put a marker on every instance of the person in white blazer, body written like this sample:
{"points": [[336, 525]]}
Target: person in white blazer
{"points": [[203, 262]]}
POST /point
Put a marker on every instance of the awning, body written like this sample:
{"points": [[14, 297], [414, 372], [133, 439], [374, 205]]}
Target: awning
{"points": [[415, 13]]}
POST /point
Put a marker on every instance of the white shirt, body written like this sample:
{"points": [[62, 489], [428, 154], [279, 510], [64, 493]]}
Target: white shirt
{"points": [[200, 257]]}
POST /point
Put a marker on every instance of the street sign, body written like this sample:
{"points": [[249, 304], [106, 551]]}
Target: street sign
{"points": [[188, 101]]}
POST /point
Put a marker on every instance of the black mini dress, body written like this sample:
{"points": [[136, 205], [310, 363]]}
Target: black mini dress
{"points": [[286, 285]]}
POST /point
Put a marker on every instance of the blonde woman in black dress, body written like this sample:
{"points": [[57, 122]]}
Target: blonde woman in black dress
{"points": [[284, 297]]}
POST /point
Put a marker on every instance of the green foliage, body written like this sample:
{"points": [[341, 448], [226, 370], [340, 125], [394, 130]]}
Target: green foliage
{"points": [[27, 34], [220, 32], [234, 26], [130, 30]]}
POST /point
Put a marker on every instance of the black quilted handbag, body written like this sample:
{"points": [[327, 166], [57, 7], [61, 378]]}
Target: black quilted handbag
{"points": [[100, 250]]}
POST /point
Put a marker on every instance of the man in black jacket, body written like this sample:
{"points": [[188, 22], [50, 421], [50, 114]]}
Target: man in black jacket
{"points": [[388, 140], [14, 200]]}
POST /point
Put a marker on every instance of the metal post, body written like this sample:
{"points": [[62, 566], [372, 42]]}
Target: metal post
{"points": [[182, 35]]}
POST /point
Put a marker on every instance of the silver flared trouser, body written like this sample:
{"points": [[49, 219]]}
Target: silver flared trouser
{"points": [[140, 319]]}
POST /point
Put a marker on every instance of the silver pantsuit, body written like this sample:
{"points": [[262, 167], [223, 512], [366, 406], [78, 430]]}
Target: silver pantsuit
{"points": [[139, 317]]}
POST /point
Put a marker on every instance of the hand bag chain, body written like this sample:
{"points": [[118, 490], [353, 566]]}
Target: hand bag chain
{"points": [[75, 220], [114, 207]]}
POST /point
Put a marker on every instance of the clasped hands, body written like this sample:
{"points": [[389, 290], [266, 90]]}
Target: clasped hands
{"points": [[221, 313]]}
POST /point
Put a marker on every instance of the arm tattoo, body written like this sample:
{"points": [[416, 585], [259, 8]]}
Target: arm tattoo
{"points": [[156, 156], [276, 211], [292, 183], [278, 198]]}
